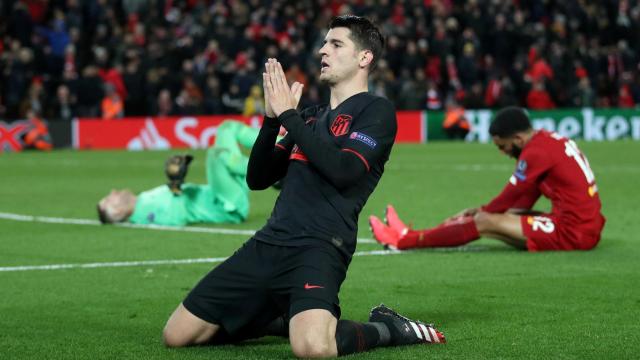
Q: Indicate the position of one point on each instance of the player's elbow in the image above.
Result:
(256, 184)
(342, 181)
(349, 175)
(256, 178)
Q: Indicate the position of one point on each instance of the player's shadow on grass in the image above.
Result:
(262, 342)
(268, 347)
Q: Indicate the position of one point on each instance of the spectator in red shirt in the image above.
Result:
(625, 99)
(547, 164)
(539, 98)
(539, 69)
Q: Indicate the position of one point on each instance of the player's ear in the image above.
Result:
(365, 57)
(519, 139)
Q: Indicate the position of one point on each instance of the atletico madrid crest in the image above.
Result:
(341, 124)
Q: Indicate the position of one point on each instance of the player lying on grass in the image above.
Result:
(331, 160)
(547, 164)
(224, 199)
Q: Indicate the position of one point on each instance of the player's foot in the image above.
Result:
(393, 220)
(384, 234)
(405, 331)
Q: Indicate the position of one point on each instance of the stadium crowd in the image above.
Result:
(111, 58)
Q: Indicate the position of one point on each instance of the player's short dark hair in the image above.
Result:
(509, 121)
(364, 34)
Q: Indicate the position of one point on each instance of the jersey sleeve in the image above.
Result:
(373, 133)
(344, 166)
(527, 199)
(269, 160)
(530, 168)
(285, 144)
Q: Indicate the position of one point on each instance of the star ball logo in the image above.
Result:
(363, 138)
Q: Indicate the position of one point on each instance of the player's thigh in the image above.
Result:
(313, 280)
(312, 333)
(516, 243)
(504, 225)
(183, 329)
(233, 294)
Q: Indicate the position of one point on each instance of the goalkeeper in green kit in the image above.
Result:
(224, 199)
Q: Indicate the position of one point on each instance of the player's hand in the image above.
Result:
(463, 213)
(268, 111)
(278, 94)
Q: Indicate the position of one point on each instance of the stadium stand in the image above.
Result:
(186, 57)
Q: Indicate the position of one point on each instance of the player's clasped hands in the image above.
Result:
(278, 96)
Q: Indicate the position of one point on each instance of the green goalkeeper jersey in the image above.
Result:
(196, 204)
(225, 197)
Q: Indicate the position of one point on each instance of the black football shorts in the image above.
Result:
(262, 281)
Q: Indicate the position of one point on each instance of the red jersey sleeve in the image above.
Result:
(530, 170)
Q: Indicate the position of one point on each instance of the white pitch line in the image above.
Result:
(110, 264)
(154, 262)
(55, 220)
(193, 229)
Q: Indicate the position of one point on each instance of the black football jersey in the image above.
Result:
(311, 206)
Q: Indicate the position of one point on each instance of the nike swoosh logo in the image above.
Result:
(307, 286)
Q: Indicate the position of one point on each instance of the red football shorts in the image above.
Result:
(547, 232)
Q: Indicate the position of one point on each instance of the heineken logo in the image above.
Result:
(586, 124)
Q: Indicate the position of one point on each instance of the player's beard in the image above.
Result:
(327, 80)
(515, 151)
(336, 76)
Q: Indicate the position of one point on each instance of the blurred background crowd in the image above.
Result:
(112, 58)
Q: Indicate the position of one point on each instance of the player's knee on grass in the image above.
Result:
(173, 339)
(312, 334)
(185, 329)
(311, 346)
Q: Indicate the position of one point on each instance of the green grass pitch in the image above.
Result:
(491, 302)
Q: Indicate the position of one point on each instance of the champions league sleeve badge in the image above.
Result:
(364, 139)
(521, 168)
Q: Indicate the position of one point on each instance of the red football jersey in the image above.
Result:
(554, 166)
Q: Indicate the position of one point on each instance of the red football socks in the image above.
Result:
(448, 234)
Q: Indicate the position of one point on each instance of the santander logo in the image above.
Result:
(185, 130)
(196, 132)
(149, 138)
